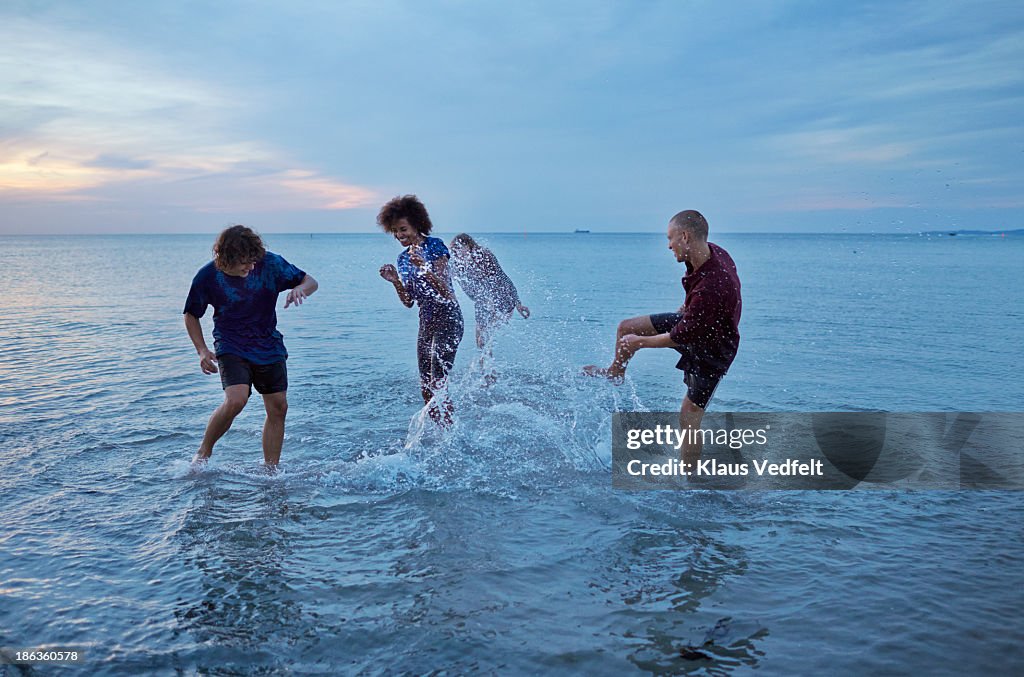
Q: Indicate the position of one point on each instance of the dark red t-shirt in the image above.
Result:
(708, 334)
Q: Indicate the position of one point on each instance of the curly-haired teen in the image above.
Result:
(242, 283)
(422, 277)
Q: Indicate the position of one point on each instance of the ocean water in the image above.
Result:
(386, 547)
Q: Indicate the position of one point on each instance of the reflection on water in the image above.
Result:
(238, 543)
(666, 576)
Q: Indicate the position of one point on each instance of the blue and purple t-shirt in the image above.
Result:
(414, 279)
(245, 308)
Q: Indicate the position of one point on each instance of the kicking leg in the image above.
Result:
(641, 326)
(235, 398)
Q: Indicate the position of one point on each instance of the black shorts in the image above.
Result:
(700, 387)
(268, 378)
(663, 322)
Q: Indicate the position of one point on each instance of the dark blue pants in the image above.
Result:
(441, 328)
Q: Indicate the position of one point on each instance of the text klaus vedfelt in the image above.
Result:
(735, 439)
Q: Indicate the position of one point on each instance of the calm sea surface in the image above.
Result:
(386, 547)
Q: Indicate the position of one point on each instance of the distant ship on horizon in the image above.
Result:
(581, 230)
(1017, 232)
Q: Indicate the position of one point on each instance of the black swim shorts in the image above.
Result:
(268, 378)
(700, 387)
(664, 322)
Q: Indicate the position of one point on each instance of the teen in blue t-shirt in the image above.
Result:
(242, 284)
(422, 277)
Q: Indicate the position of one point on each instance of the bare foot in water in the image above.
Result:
(594, 370)
(198, 464)
(442, 415)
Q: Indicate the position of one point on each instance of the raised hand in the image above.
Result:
(296, 296)
(389, 273)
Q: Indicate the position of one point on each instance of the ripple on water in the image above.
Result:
(497, 546)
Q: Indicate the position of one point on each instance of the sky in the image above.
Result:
(186, 117)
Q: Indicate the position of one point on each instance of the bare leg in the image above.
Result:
(276, 405)
(481, 344)
(641, 326)
(442, 412)
(223, 416)
(690, 416)
(435, 396)
(484, 335)
(439, 406)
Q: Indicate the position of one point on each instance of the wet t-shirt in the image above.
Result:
(482, 278)
(415, 280)
(709, 331)
(480, 275)
(245, 308)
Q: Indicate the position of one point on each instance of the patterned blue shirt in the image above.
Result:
(413, 278)
(245, 308)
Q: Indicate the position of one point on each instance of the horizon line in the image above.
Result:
(519, 232)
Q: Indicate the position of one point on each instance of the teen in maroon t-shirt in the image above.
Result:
(705, 330)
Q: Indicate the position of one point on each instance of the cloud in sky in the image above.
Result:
(111, 161)
(767, 116)
(87, 121)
